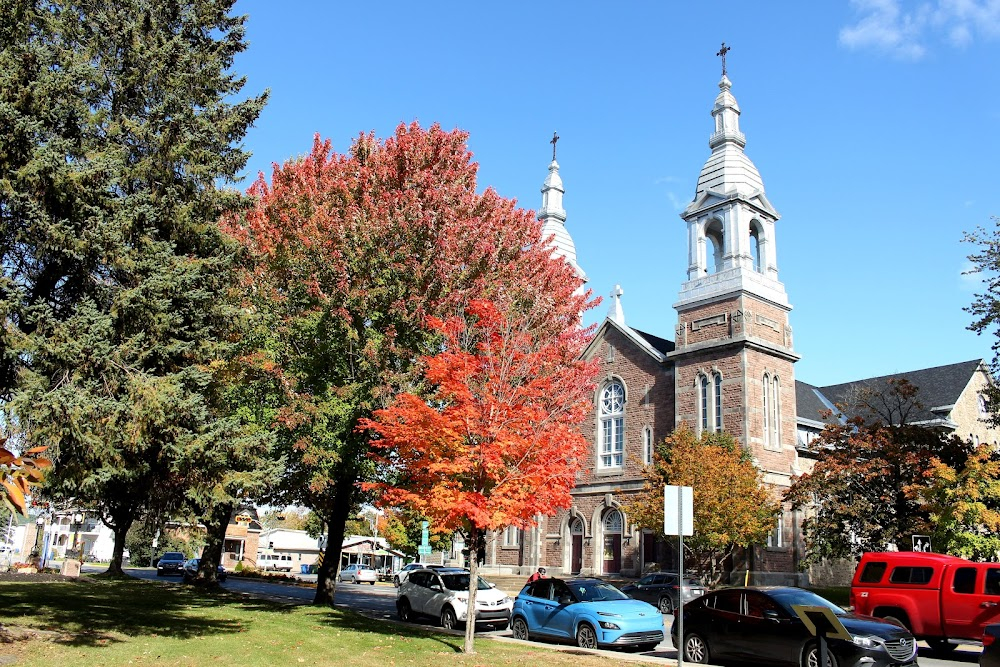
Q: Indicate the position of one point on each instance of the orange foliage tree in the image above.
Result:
(497, 441)
(19, 473)
(732, 507)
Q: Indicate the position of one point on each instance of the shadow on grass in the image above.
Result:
(94, 610)
(355, 622)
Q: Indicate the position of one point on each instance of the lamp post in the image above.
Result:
(77, 524)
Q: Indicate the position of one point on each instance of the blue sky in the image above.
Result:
(873, 124)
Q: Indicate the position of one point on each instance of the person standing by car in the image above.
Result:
(540, 574)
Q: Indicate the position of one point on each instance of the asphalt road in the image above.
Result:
(379, 601)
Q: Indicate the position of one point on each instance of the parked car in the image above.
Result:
(401, 574)
(274, 562)
(590, 612)
(662, 590)
(443, 593)
(172, 562)
(990, 657)
(760, 626)
(191, 571)
(936, 596)
(358, 574)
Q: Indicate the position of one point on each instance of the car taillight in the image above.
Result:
(988, 639)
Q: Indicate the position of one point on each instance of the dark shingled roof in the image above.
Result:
(662, 345)
(937, 387)
(809, 401)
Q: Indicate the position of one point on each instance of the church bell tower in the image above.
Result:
(734, 356)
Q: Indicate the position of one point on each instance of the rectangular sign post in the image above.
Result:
(678, 519)
(425, 548)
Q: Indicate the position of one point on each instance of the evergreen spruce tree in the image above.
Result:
(117, 280)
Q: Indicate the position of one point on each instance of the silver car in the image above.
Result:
(358, 574)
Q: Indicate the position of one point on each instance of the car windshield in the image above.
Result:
(595, 591)
(786, 597)
(460, 582)
(172, 555)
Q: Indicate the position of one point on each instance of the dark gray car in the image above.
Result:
(661, 590)
(172, 562)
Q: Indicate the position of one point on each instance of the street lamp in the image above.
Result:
(77, 524)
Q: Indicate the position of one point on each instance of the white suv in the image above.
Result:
(443, 593)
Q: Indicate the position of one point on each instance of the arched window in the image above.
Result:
(703, 402)
(717, 382)
(612, 425)
(576, 526)
(767, 410)
(775, 412)
(716, 243)
(613, 522)
(647, 445)
(755, 247)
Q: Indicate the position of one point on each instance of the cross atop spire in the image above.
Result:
(555, 138)
(722, 52)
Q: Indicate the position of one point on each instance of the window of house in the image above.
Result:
(703, 400)
(612, 411)
(775, 413)
(983, 408)
(647, 445)
(511, 536)
(775, 539)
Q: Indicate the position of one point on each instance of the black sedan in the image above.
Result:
(990, 656)
(759, 625)
(172, 562)
(662, 590)
(191, 571)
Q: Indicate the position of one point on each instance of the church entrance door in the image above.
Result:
(576, 550)
(613, 542)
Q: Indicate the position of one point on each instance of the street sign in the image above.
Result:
(678, 510)
(425, 548)
(424, 551)
(921, 542)
(822, 624)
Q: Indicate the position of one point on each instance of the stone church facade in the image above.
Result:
(730, 367)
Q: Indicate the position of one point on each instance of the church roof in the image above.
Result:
(938, 390)
(662, 345)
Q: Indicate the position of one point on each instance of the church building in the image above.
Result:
(729, 367)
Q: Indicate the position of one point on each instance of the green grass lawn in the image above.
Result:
(103, 621)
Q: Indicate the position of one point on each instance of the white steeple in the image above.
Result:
(553, 215)
(731, 242)
(615, 311)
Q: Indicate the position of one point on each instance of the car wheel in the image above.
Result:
(448, 619)
(404, 611)
(666, 605)
(586, 637)
(520, 628)
(811, 657)
(941, 645)
(695, 649)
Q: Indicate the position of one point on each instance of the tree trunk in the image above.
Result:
(121, 524)
(470, 616)
(336, 521)
(216, 524)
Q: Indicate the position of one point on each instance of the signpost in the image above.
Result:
(822, 624)
(425, 546)
(678, 519)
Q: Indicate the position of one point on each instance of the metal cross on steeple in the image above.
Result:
(722, 52)
(555, 138)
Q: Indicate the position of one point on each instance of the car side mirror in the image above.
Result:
(493, 585)
(565, 599)
(436, 587)
(772, 615)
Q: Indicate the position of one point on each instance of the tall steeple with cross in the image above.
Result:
(553, 215)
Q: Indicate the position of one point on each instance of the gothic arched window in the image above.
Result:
(647, 445)
(612, 416)
(775, 412)
(717, 399)
(767, 410)
(755, 247)
(716, 240)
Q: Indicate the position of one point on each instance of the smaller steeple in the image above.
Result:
(553, 215)
(615, 311)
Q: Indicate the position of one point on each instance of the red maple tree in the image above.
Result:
(497, 441)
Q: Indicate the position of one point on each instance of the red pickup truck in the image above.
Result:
(936, 596)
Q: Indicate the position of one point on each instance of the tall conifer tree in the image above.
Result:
(115, 273)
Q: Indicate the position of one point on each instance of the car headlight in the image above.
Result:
(506, 601)
(608, 625)
(867, 642)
